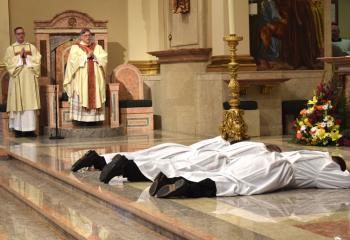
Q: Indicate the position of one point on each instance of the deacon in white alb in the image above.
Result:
(22, 61)
(260, 173)
(255, 173)
(315, 169)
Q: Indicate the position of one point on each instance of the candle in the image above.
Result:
(231, 14)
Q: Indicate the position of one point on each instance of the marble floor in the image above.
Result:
(38, 174)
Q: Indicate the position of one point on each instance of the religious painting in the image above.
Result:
(181, 6)
(287, 34)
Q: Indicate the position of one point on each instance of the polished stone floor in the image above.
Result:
(296, 214)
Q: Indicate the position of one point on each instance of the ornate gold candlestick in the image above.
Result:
(233, 127)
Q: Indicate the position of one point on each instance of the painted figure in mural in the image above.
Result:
(299, 45)
(181, 6)
(22, 61)
(271, 19)
(288, 32)
(84, 80)
(267, 30)
(317, 11)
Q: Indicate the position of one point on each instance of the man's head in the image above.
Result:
(19, 34)
(335, 32)
(340, 161)
(86, 35)
(273, 148)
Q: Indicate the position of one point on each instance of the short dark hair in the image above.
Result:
(340, 162)
(273, 148)
(17, 28)
(85, 30)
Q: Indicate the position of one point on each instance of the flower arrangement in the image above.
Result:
(318, 124)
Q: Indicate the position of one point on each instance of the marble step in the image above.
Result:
(76, 214)
(163, 216)
(85, 132)
(19, 221)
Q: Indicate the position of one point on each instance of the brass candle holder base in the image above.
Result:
(233, 127)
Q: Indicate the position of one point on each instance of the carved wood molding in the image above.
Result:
(182, 55)
(70, 19)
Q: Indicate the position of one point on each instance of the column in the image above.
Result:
(4, 41)
(218, 27)
(327, 38)
(113, 89)
(143, 34)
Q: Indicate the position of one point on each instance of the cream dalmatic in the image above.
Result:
(23, 93)
(85, 82)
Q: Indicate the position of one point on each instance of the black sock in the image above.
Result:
(204, 188)
(133, 173)
(100, 163)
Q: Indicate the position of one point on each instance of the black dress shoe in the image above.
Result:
(160, 181)
(18, 134)
(115, 168)
(88, 160)
(31, 134)
(177, 189)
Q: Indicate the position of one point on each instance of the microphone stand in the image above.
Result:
(57, 134)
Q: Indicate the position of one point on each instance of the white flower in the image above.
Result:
(309, 111)
(330, 124)
(303, 128)
(323, 124)
(328, 118)
(313, 130)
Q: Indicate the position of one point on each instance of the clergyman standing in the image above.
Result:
(22, 61)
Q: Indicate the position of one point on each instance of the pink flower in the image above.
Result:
(299, 135)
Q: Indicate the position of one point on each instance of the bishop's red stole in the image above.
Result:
(91, 75)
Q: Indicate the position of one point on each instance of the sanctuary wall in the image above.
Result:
(24, 13)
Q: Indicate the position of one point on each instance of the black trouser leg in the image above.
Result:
(133, 173)
(204, 188)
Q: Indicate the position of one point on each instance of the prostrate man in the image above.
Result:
(85, 79)
(22, 61)
(310, 169)
(315, 169)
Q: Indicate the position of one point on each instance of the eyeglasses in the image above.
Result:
(19, 33)
(86, 35)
